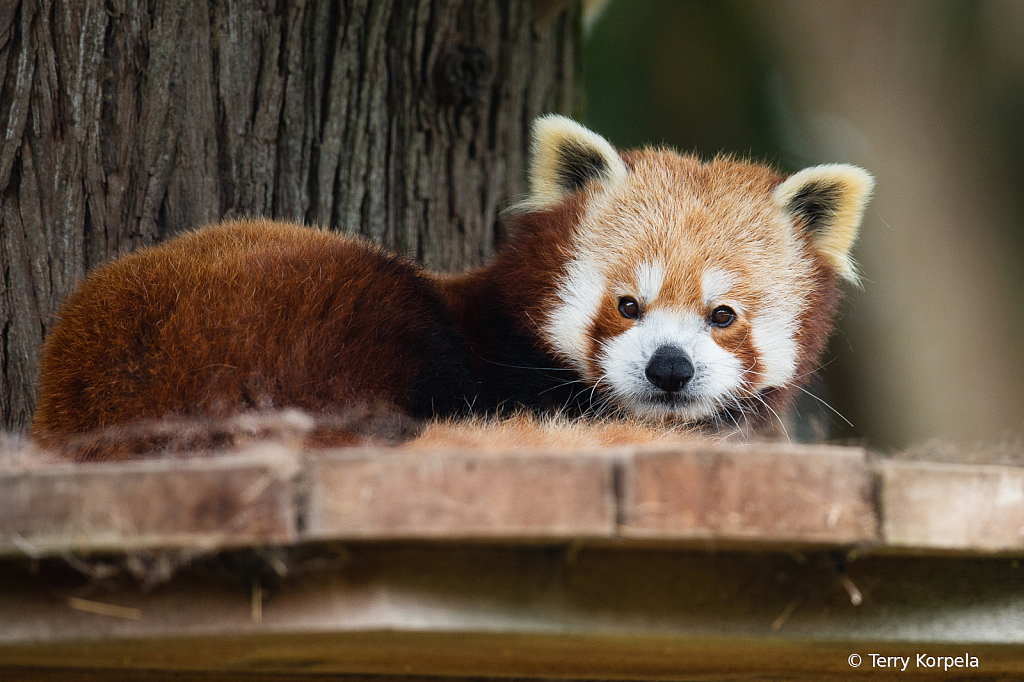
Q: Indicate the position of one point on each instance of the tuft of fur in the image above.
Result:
(172, 437)
(523, 430)
(255, 316)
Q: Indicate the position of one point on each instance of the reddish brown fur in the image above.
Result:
(248, 315)
(519, 285)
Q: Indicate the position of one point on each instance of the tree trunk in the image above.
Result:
(127, 121)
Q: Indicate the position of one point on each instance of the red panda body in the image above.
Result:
(647, 284)
(249, 315)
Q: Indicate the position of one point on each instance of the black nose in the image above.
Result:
(669, 368)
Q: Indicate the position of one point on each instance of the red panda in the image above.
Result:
(647, 283)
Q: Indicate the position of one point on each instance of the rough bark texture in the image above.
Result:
(126, 121)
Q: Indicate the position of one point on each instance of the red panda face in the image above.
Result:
(689, 289)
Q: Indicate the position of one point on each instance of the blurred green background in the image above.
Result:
(928, 96)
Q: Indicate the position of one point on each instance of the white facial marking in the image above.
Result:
(579, 294)
(773, 334)
(649, 278)
(714, 285)
(717, 373)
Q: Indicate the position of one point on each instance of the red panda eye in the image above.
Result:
(629, 308)
(723, 316)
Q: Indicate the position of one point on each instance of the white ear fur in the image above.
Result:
(565, 157)
(829, 201)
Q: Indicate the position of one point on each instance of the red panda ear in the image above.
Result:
(565, 158)
(828, 202)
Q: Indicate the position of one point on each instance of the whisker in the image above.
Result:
(782, 424)
(594, 387)
(745, 334)
(539, 369)
(557, 386)
(820, 400)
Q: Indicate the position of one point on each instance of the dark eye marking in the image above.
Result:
(722, 316)
(629, 308)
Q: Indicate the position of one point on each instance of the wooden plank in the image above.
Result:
(382, 495)
(965, 508)
(773, 494)
(757, 497)
(601, 613)
(204, 503)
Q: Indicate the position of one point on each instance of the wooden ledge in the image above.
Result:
(755, 496)
(702, 562)
(957, 508)
(765, 494)
(373, 494)
(752, 496)
(202, 504)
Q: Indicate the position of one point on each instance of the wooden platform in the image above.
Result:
(697, 562)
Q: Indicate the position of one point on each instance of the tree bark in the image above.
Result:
(127, 121)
